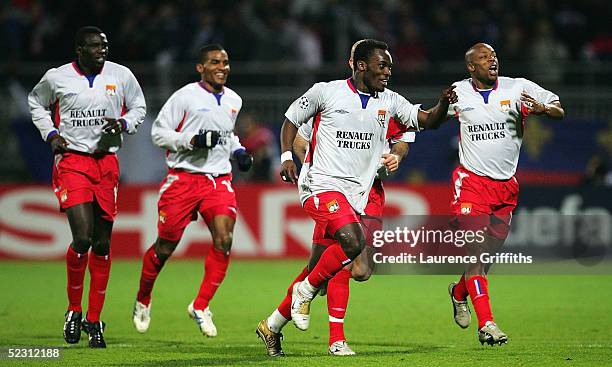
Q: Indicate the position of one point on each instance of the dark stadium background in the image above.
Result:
(277, 49)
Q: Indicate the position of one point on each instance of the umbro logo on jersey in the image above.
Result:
(344, 112)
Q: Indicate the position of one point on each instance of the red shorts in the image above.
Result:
(330, 211)
(82, 178)
(370, 222)
(488, 202)
(376, 200)
(183, 195)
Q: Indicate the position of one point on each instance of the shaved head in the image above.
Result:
(469, 54)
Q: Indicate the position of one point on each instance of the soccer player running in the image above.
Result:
(351, 118)
(196, 126)
(81, 109)
(491, 111)
(361, 268)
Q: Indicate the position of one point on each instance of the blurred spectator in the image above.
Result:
(548, 55)
(597, 172)
(260, 141)
(410, 51)
(599, 48)
(32, 148)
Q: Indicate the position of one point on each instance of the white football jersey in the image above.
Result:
(486, 146)
(69, 103)
(348, 138)
(189, 110)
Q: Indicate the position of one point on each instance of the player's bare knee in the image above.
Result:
(101, 248)
(352, 244)
(82, 245)
(223, 241)
(361, 273)
(164, 248)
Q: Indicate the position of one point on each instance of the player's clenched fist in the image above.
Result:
(206, 139)
(112, 126)
(58, 144)
(288, 171)
(390, 161)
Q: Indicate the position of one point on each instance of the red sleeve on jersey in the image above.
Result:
(395, 130)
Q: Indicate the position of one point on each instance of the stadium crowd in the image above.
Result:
(312, 32)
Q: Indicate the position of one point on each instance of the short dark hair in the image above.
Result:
(366, 47)
(207, 48)
(79, 39)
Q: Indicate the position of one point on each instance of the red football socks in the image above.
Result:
(460, 291)
(285, 306)
(75, 265)
(99, 271)
(337, 301)
(478, 287)
(215, 268)
(151, 266)
(332, 261)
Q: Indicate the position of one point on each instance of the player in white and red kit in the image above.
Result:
(362, 267)
(491, 111)
(351, 118)
(81, 109)
(196, 126)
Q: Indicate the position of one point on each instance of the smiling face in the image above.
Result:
(214, 69)
(377, 71)
(93, 52)
(482, 64)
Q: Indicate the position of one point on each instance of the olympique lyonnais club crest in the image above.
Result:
(505, 105)
(234, 113)
(382, 117)
(111, 89)
(466, 208)
(333, 206)
(162, 216)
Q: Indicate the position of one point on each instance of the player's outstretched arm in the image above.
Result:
(288, 169)
(552, 110)
(433, 118)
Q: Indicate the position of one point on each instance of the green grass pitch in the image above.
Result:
(392, 320)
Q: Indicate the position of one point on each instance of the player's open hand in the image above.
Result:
(58, 144)
(515, 125)
(449, 96)
(288, 171)
(533, 106)
(112, 127)
(390, 161)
